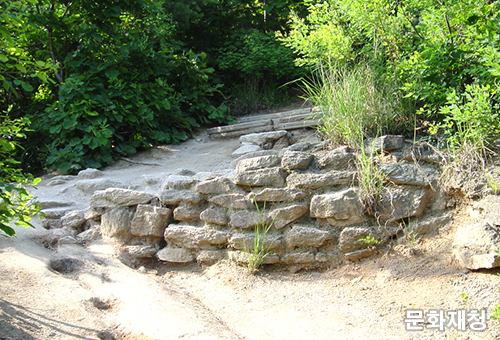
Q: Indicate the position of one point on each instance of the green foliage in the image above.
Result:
(258, 66)
(430, 49)
(16, 204)
(318, 38)
(125, 84)
(370, 241)
(470, 123)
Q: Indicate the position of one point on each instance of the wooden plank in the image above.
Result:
(232, 134)
(296, 125)
(294, 118)
(273, 115)
(241, 126)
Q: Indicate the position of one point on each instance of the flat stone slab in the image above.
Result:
(410, 174)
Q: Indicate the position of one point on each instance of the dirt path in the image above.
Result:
(101, 298)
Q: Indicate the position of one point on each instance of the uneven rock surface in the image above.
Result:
(182, 276)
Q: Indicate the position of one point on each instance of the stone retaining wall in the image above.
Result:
(308, 191)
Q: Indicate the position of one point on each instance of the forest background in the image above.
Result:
(86, 82)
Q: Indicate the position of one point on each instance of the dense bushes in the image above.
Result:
(431, 50)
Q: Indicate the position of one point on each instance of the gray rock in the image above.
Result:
(257, 163)
(150, 221)
(114, 197)
(90, 173)
(410, 174)
(305, 236)
(90, 186)
(217, 186)
(476, 245)
(262, 138)
(89, 235)
(340, 158)
(59, 180)
(424, 152)
(245, 219)
(232, 201)
(246, 148)
(276, 195)
(349, 239)
(56, 213)
(55, 204)
(183, 172)
(175, 197)
(187, 212)
(73, 219)
(115, 223)
(243, 257)
(316, 181)
(296, 160)
(175, 255)
(284, 216)
(274, 177)
(67, 240)
(192, 237)
(360, 254)
(51, 223)
(259, 153)
(211, 256)
(385, 143)
(428, 225)
(298, 258)
(179, 182)
(402, 202)
(141, 251)
(213, 216)
(245, 241)
(342, 205)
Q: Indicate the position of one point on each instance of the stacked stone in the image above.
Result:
(306, 191)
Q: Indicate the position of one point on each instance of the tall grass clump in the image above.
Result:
(260, 250)
(370, 181)
(355, 103)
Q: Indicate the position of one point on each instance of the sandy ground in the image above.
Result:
(104, 299)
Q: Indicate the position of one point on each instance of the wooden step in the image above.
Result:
(288, 120)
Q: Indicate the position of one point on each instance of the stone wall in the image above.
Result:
(308, 191)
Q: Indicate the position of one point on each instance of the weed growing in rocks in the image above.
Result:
(370, 180)
(260, 251)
